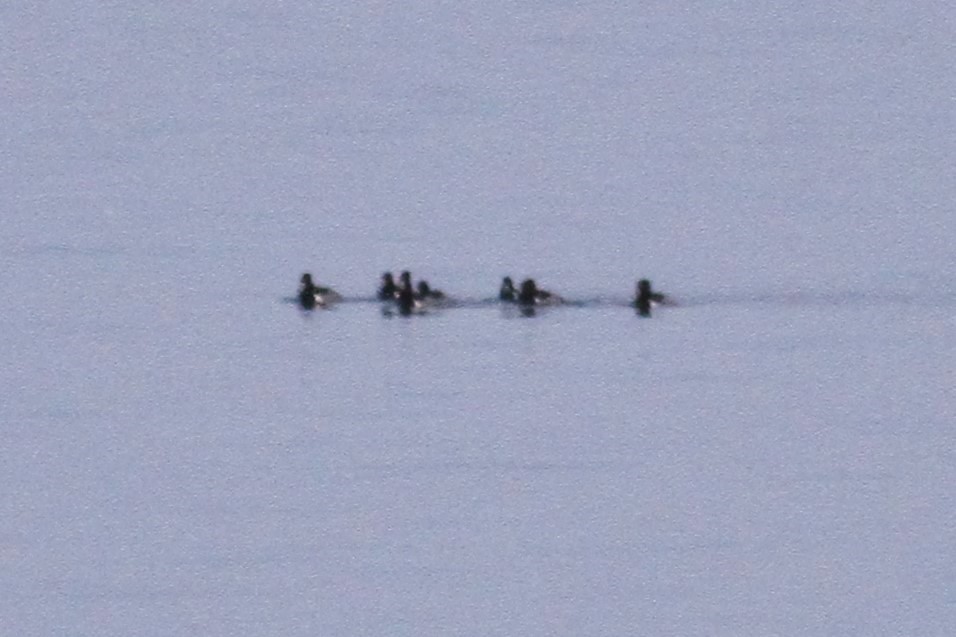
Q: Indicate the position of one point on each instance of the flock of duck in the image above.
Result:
(411, 299)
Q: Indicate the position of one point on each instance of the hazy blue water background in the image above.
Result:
(184, 452)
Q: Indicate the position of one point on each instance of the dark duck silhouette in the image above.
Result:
(425, 292)
(647, 298)
(388, 290)
(312, 295)
(530, 295)
(507, 292)
(406, 298)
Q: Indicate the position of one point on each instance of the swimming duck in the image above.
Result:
(425, 291)
(646, 298)
(405, 297)
(389, 290)
(507, 292)
(530, 295)
(312, 295)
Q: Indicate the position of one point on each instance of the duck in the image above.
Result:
(425, 291)
(312, 295)
(407, 300)
(645, 298)
(530, 295)
(507, 291)
(388, 290)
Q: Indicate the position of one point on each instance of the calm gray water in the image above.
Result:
(186, 452)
